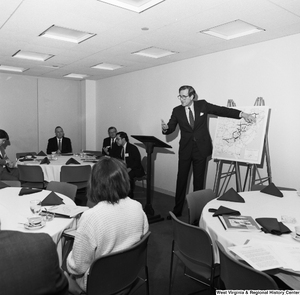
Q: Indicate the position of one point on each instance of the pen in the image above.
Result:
(222, 222)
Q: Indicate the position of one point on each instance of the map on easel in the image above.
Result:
(239, 141)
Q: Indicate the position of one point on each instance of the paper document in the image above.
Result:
(67, 210)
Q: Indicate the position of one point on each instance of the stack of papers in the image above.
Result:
(68, 211)
(263, 255)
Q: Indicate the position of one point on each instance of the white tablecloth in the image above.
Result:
(256, 204)
(14, 209)
(52, 170)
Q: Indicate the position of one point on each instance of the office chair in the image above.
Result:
(239, 276)
(77, 175)
(193, 246)
(120, 270)
(64, 188)
(31, 176)
(196, 202)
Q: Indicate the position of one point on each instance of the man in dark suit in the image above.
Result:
(132, 157)
(195, 144)
(110, 147)
(7, 167)
(29, 265)
(59, 144)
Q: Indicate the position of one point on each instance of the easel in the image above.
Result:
(252, 169)
(234, 167)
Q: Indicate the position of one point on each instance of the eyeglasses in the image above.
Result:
(182, 97)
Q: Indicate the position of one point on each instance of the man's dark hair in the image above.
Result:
(3, 134)
(190, 89)
(123, 135)
(111, 127)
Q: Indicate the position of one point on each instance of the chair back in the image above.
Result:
(239, 276)
(31, 176)
(12, 183)
(64, 188)
(196, 202)
(115, 272)
(24, 154)
(259, 187)
(193, 243)
(78, 175)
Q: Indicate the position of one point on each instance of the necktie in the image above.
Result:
(123, 154)
(59, 144)
(191, 117)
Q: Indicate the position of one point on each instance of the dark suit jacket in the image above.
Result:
(200, 133)
(133, 160)
(53, 147)
(114, 151)
(29, 265)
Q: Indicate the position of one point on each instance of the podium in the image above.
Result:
(150, 142)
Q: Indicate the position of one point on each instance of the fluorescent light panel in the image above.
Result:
(32, 55)
(133, 5)
(232, 30)
(76, 76)
(12, 69)
(107, 66)
(154, 52)
(68, 35)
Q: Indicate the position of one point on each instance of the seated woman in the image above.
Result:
(115, 223)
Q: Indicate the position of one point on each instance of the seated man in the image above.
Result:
(7, 167)
(59, 144)
(132, 157)
(29, 265)
(110, 147)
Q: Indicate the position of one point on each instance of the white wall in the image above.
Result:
(32, 107)
(136, 102)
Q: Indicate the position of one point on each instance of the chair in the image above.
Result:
(12, 183)
(196, 202)
(239, 276)
(78, 175)
(259, 187)
(31, 176)
(193, 246)
(64, 188)
(120, 270)
(24, 154)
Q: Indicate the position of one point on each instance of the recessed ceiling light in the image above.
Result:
(76, 76)
(233, 30)
(64, 34)
(12, 69)
(32, 55)
(154, 52)
(106, 66)
(133, 5)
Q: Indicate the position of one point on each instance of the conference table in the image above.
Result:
(52, 171)
(257, 204)
(15, 209)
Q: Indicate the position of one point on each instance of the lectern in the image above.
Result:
(150, 142)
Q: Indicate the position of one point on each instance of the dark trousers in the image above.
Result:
(184, 165)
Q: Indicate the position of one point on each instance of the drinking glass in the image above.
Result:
(35, 206)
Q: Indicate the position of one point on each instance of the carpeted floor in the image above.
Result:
(159, 250)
